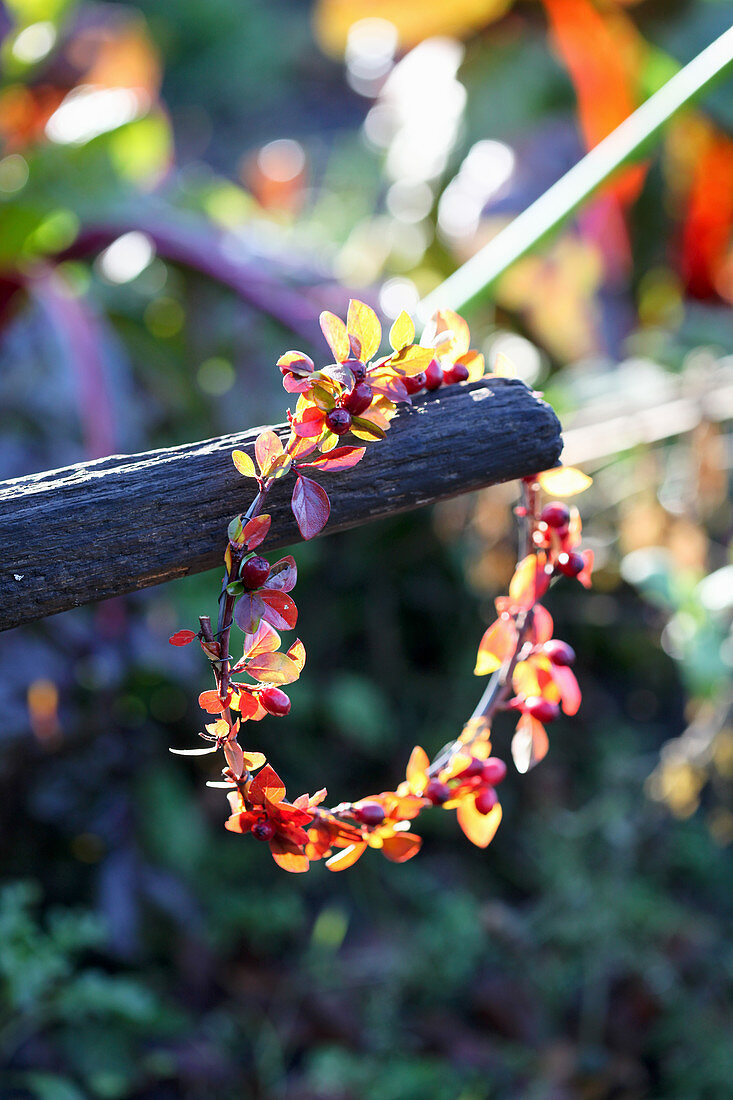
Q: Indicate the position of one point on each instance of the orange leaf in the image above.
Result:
(401, 847)
(564, 481)
(530, 581)
(497, 646)
(288, 856)
(273, 668)
(417, 766)
(266, 784)
(265, 640)
(267, 447)
(210, 702)
(347, 857)
(334, 329)
(363, 327)
(296, 653)
(479, 828)
(529, 744)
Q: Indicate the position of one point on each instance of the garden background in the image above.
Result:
(183, 187)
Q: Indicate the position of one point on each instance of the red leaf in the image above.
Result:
(255, 531)
(280, 611)
(341, 458)
(266, 784)
(182, 637)
(311, 506)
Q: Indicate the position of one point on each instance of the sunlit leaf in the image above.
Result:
(504, 367)
(210, 701)
(459, 340)
(265, 640)
(474, 363)
(273, 668)
(529, 744)
(195, 752)
(296, 362)
(411, 360)
(363, 326)
(296, 653)
(267, 447)
(536, 677)
(347, 857)
(280, 609)
(479, 828)
(564, 481)
(244, 464)
(497, 646)
(366, 428)
(266, 784)
(402, 332)
(334, 329)
(417, 766)
(255, 530)
(288, 857)
(341, 458)
(401, 847)
(530, 581)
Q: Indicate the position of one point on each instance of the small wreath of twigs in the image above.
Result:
(357, 395)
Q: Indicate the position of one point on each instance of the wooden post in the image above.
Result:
(102, 528)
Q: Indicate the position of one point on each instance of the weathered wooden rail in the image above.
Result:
(102, 528)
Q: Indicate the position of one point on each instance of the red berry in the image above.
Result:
(263, 829)
(338, 421)
(456, 373)
(494, 771)
(254, 572)
(275, 701)
(555, 514)
(541, 709)
(369, 813)
(486, 799)
(415, 382)
(357, 368)
(433, 375)
(570, 564)
(560, 653)
(359, 399)
(437, 792)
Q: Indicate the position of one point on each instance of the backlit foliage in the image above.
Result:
(357, 395)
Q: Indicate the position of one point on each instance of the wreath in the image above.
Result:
(356, 396)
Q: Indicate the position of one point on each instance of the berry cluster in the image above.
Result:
(357, 394)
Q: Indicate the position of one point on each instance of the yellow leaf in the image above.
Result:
(244, 464)
(402, 332)
(504, 366)
(413, 21)
(363, 326)
(479, 828)
(564, 481)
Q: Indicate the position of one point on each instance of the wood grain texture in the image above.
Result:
(102, 528)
